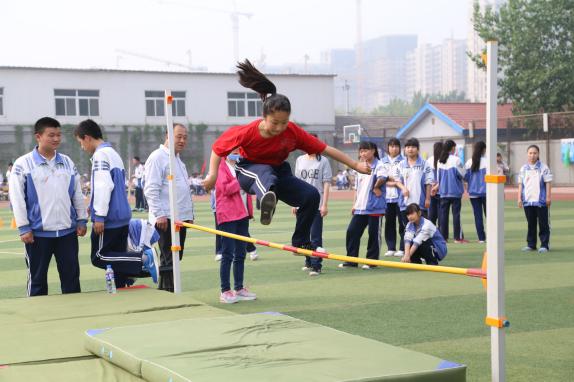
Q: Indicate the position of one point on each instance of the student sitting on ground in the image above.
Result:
(422, 239)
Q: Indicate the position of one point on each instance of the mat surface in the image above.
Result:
(260, 347)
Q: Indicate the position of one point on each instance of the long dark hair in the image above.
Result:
(436, 150)
(253, 79)
(446, 149)
(367, 145)
(477, 151)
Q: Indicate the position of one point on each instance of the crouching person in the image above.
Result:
(422, 239)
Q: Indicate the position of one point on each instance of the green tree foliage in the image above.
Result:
(536, 53)
(401, 108)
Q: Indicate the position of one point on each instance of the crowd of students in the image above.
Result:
(399, 186)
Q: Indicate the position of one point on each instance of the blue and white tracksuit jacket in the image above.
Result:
(393, 193)
(366, 202)
(533, 179)
(475, 180)
(109, 202)
(450, 175)
(415, 178)
(46, 196)
(425, 230)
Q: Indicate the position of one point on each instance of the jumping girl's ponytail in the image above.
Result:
(253, 79)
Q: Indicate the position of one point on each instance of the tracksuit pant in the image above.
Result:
(393, 214)
(165, 281)
(139, 198)
(110, 248)
(233, 252)
(355, 232)
(315, 263)
(258, 179)
(537, 215)
(479, 208)
(427, 252)
(433, 211)
(444, 211)
(250, 247)
(38, 256)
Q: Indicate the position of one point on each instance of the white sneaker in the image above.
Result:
(306, 268)
(399, 253)
(228, 297)
(218, 257)
(321, 249)
(365, 266)
(253, 255)
(245, 295)
(389, 253)
(314, 273)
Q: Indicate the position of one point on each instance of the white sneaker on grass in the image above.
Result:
(218, 257)
(366, 266)
(389, 253)
(244, 295)
(399, 253)
(228, 297)
(253, 255)
(306, 268)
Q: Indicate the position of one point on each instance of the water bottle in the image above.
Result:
(110, 280)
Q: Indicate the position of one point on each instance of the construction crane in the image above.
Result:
(235, 15)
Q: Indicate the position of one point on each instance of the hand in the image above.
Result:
(27, 238)
(352, 211)
(405, 259)
(548, 202)
(209, 182)
(362, 167)
(98, 228)
(427, 203)
(81, 230)
(294, 211)
(161, 223)
(377, 191)
(406, 193)
(520, 204)
(323, 211)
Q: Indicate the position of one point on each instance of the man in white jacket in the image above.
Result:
(49, 209)
(156, 191)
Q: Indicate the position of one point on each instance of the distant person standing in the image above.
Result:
(393, 196)
(475, 171)
(156, 191)
(316, 171)
(49, 209)
(138, 184)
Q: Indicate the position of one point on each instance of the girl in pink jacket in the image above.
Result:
(234, 209)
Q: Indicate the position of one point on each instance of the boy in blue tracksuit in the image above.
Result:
(110, 210)
(423, 241)
(49, 210)
(369, 206)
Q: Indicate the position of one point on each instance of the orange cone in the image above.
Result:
(13, 224)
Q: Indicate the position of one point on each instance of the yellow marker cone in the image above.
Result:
(1, 223)
(13, 224)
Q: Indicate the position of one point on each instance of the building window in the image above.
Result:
(241, 104)
(154, 103)
(85, 103)
(1, 101)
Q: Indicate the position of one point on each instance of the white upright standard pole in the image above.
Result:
(175, 245)
(495, 225)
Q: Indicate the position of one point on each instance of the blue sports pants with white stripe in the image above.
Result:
(38, 256)
(257, 179)
(111, 248)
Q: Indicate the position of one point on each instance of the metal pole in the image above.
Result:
(175, 245)
(495, 226)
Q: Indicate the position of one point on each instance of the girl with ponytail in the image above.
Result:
(264, 146)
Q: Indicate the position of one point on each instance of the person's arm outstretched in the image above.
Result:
(339, 156)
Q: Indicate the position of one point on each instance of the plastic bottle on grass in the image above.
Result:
(110, 280)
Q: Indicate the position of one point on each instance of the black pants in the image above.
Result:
(355, 232)
(165, 259)
(393, 214)
(313, 262)
(425, 251)
(257, 179)
(433, 209)
(110, 248)
(479, 208)
(139, 198)
(38, 256)
(444, 211)
(537, 215)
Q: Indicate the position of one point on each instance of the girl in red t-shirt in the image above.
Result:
(264, 145)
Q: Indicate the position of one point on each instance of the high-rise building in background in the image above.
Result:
(476, 77)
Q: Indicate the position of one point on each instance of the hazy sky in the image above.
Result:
(88, 33)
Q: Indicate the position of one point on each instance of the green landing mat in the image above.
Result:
(260, 347)
(44, 336)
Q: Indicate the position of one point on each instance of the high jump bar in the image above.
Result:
(472, 272)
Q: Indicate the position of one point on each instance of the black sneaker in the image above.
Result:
(268, 203)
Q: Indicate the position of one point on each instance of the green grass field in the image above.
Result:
(438, 314)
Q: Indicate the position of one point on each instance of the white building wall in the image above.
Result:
(430, 129)
(29, 94)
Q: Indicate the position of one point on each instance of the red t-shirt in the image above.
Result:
(272, 151)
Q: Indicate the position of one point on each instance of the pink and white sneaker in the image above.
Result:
(245, 295)
(228, 297)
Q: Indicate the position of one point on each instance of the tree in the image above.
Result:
(535, 52)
